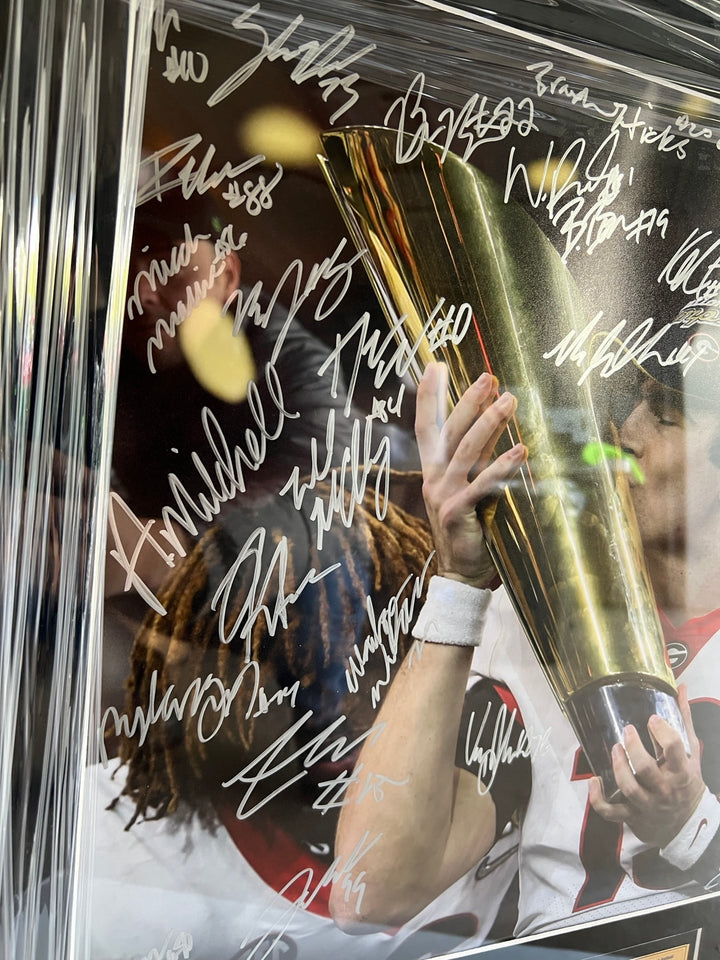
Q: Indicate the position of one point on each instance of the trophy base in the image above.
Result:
(600, 712)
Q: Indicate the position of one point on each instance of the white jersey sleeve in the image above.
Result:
(166, 889)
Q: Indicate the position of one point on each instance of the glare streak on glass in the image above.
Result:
(60, 330)
(140, 20)
(55, 393)
(438, 31)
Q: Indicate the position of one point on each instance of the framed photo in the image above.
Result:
(370, 432)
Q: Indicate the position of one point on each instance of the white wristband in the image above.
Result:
(685, 849)
(453, 613)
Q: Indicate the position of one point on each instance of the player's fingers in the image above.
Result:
(616, 812)
(672, 748)
(430, 415)
(501, 417)
(474, 451)
(631, 771)
(643, 763)
(491, 482)
(471, 405)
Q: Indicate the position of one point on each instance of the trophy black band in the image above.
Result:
(480, 287)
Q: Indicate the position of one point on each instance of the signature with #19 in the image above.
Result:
(578, 189)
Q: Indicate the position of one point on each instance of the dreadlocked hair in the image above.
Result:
(217, 705)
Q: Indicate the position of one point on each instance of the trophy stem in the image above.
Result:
(600, 712)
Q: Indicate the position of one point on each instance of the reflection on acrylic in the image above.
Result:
(267, 503)
(297, 750)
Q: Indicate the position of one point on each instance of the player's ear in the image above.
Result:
(229, 279)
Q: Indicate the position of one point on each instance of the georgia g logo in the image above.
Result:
(677, 653)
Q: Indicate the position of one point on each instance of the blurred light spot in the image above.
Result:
(281, 134)
(541, 170)
(221, 362)
(695, 106)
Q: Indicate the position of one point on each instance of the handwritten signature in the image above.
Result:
(155, 174)
(394, 353)
(315, 59)
(255, 596)
(348, 481)
(266, 767)
(162, 21)
(387, 627)
(560, 86)
(580, 205)
(335, 273)
(683, 268)
(343, 873)
(664, 140)
(640, 345)
(282, 947)
(694, 130)
(476, 123)
(160, 272)
(501, 750)
(202, 698)
(333, 792)
(181, 948)
(228, 468)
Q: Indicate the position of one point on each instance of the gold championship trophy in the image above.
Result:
(482, 288)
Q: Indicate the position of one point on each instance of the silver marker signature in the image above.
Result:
(477, 122)
(501, 750)
(350, 477)
(250, 305)
(325, 60)
(182, 945)
(386, 627)
(664, 140)
(228, 468)
(578, 192)
(195, 293)
(193, 177)
(339, 872)
(204, 695)
(695, 265)
(393, 352)
(267, 765)
(255, 603)
(640, 345)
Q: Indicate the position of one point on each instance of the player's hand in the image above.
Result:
(659, 797)
(458, 470)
